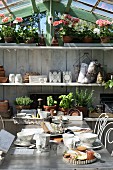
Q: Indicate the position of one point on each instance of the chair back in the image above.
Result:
(107, 130)
(100, 125)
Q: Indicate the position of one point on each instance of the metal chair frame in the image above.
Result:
(100, 125)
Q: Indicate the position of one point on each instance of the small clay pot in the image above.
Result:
(48, 108)
(4, 105)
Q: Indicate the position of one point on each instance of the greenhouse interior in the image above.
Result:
(56, 84)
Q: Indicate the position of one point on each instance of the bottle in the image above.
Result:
(39, 106)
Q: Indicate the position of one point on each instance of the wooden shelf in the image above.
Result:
(71, 46)
(51, 84)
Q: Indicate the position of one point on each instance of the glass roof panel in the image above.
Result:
(91, 2)
(64, 1)
(80, 5)
(106, 6)
(11, 1)
(20, 5)
(1, 4)
(103, 13)
(3, 11)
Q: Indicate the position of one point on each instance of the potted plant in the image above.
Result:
(86, 31)
(83, 100)
(51, 104)
(23, 102)
(66, 27)
(104, 29)
(109, 84)
(66, 102)
(8, 28)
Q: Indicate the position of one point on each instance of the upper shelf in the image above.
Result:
(50, 84)
(72, 46)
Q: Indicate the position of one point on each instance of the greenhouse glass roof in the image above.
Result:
(27, 7)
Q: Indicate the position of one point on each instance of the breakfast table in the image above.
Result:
(53, 160)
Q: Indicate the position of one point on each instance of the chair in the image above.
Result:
(100, 125)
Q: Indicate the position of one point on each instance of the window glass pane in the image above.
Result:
(64, 1)
(21, 4)
(91, 2)
(80, 5)
(106, 6)
(4, 11)
(103, 13)
(11, 1)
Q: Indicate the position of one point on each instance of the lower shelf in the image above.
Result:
(51, 84)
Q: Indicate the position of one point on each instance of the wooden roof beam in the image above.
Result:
(95, 6)
(108, 1)
(5, 4)
(68, 6)
(35, 9)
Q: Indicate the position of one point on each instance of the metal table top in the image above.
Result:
(53, 160)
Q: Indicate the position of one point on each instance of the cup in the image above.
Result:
(42, 141)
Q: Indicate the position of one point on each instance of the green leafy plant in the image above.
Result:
(66, 101)
(23, 101)
(51, 101)
(109, 84)
(83, 98)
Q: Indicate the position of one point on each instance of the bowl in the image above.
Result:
(87, 138)
(25, 136)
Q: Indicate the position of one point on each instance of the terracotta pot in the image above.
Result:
(48, 108)
(4, 105)
(105, 39)
(2, 73)
(30, 40)
(9, 39)
(87, 39)
(84, 110)
(67, 39)
(20, 107)
(65, 111)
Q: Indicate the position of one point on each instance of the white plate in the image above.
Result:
(98, 146)
(19, 143)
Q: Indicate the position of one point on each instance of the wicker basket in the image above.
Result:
(8, 114)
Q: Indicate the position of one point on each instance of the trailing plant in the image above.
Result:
(24, 101)
(66, 101)
(51, 101)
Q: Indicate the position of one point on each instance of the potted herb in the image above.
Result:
(66, 102)
(23, 102)
(51, 104)
(109, 84)
(83, 100)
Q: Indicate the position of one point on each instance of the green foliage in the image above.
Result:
(24, 101)
(109, 84)
(66, 101)
(83, 98)
(51, 101)
(8, 31)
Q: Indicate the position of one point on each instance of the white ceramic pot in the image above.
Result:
(11, 78)
(18, 78)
